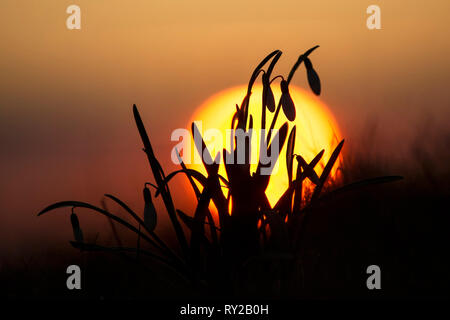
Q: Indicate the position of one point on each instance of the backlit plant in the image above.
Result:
(248, 229)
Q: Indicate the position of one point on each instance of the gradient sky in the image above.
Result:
(66, 126)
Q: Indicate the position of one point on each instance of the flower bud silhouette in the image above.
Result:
(286, 101)
(313, 77)
(268, 98)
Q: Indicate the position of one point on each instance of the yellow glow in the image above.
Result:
(316, 129)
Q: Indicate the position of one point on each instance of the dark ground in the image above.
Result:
(404, 231)
(403, 227)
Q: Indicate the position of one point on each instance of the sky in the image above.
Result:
(66, 126)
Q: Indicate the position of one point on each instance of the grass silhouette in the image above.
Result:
(250, 233)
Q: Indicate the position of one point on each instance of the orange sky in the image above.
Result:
(66, 125)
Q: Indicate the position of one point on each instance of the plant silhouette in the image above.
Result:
(250, 229)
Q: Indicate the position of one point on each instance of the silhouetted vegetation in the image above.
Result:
(255, 248)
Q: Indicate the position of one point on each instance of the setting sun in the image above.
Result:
(316, 129)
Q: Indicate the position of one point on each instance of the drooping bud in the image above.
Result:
(313, 77)
(308, 170)
(286, 101)
(268, 98)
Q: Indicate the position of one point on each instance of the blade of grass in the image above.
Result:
(362, 183)
(290, 153)
(94, 247)
(298, 190)
(159, 177)
(192, 224)
(281, 136)
(191, 181)
(212, 170)
(326, 171)
(64, 204)
(212, 225)
(111, 223)
(190, 173)
(141, 222)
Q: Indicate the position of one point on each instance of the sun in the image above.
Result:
(316, 129)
